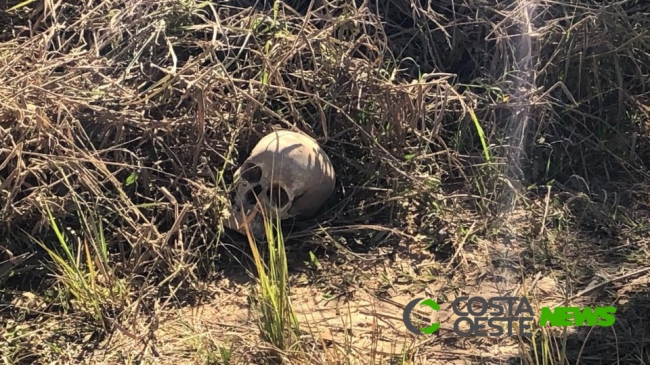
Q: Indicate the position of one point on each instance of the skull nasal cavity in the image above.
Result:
(277, 196)
(251, 173)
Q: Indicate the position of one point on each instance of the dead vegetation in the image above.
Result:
(480, 147)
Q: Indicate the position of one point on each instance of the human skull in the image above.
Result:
(290, 176)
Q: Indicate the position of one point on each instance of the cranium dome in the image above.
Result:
(288, 174)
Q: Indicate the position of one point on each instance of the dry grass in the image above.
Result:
(480, 147)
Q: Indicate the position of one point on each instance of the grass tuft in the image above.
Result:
(83, 268)
(278, 322)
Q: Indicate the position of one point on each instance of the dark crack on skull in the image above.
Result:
(257, 190)
(250, 198)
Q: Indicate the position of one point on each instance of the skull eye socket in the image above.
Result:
(277, 196)
(251, 173)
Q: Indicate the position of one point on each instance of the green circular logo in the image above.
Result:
(407, 316)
